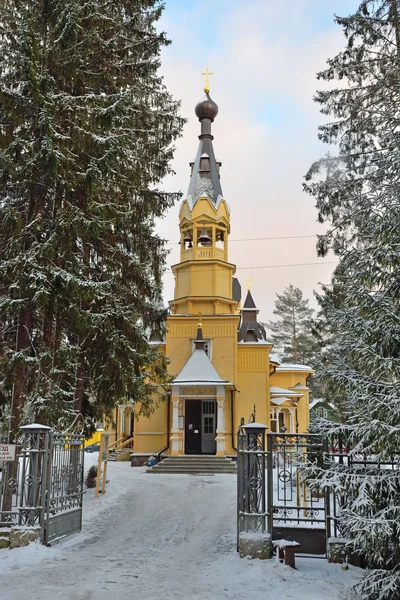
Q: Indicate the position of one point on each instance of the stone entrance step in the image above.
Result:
(195, 465)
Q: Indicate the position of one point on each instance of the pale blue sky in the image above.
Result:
(264, 55)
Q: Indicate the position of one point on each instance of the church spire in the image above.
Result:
(204, 179)
(199, 342)
(250, 329)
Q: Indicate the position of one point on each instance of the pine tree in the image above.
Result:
(291, 332)
(358, 192)
(87, 131)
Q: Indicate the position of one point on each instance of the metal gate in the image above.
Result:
(63, 499)
(43, 485)
(22, 493)
(296, 512)
(272, 495)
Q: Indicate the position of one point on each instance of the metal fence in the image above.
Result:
(275, 492)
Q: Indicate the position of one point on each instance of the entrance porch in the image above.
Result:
(198, 420)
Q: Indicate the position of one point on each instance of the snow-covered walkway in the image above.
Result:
(161, 536)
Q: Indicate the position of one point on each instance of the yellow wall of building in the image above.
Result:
(287, 380)
(253, 382)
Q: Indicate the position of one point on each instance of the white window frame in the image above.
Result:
(322, 412)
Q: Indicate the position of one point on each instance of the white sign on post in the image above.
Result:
(7, 452)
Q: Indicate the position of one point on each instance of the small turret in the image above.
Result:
(199, 341)
(250, 329)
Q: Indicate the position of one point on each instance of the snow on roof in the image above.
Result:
(294, 367)
(279, 401)
(321, 400)
(280, 392)
(274, 358)
(256, 343)
(199, 370)
(299, 386)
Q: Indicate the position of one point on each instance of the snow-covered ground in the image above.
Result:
(169, 537)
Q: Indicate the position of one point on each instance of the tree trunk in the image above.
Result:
(21, 372)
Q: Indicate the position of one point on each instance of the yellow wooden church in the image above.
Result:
(220, 359)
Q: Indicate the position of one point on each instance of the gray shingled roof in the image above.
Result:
(205, 182)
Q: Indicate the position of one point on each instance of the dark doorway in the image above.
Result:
(200, 427)
(193, 427)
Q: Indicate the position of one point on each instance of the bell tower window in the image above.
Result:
(220, 239)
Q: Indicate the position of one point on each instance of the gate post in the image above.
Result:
(33, 477)
(270, 482)
(253, 537)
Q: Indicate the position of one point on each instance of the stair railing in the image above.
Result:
(127, 444)
(112, 446)
(157, 455)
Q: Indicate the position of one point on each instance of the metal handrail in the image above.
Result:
(158, 454)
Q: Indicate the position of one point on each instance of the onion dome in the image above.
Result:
(207, 109)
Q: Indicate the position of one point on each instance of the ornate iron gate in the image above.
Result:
(63, 500)
(43, 485)
(272, 495)
(22, 493)
(296, 512)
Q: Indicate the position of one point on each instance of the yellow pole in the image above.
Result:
(103, 489)
(96, 495)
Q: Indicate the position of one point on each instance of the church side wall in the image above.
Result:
(253, 384)
(151, 433)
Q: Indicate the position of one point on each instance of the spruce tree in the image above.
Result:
(87, 130)
(291, 332)
(357, 192)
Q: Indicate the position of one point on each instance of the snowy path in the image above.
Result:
(161, 536)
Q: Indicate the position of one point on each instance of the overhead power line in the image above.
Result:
(265, 267)
(289, 265)
(261, 239)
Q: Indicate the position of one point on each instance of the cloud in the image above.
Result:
(264, 57)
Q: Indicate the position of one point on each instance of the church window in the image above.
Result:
(207, 348)
(205, 164)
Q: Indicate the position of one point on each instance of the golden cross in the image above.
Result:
(248, 283)
(207, 73)
(199, 324)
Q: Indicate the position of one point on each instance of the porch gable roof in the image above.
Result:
(199, 370)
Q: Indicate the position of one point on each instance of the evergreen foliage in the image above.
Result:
(358, 193)
(86, 134)
(292, 331)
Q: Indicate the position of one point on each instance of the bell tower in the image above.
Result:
(203, 277)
